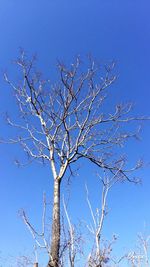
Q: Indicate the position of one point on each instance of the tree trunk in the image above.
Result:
(55, 241)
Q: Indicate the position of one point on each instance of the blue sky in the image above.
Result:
(54, 29)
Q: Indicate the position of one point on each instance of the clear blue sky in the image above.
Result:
(61, 29)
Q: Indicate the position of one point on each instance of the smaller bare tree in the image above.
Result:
(99, 255)
(141, 255)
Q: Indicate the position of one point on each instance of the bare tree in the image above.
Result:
(101, 251)
(65, 121)
(40, 238)
(72, 250)
(99, 256)
(140, 256)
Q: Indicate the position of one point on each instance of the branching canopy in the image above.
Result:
(65, 121)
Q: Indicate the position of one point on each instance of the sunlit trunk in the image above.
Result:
(55, 241)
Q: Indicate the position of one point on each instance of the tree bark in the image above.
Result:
(55, 242)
